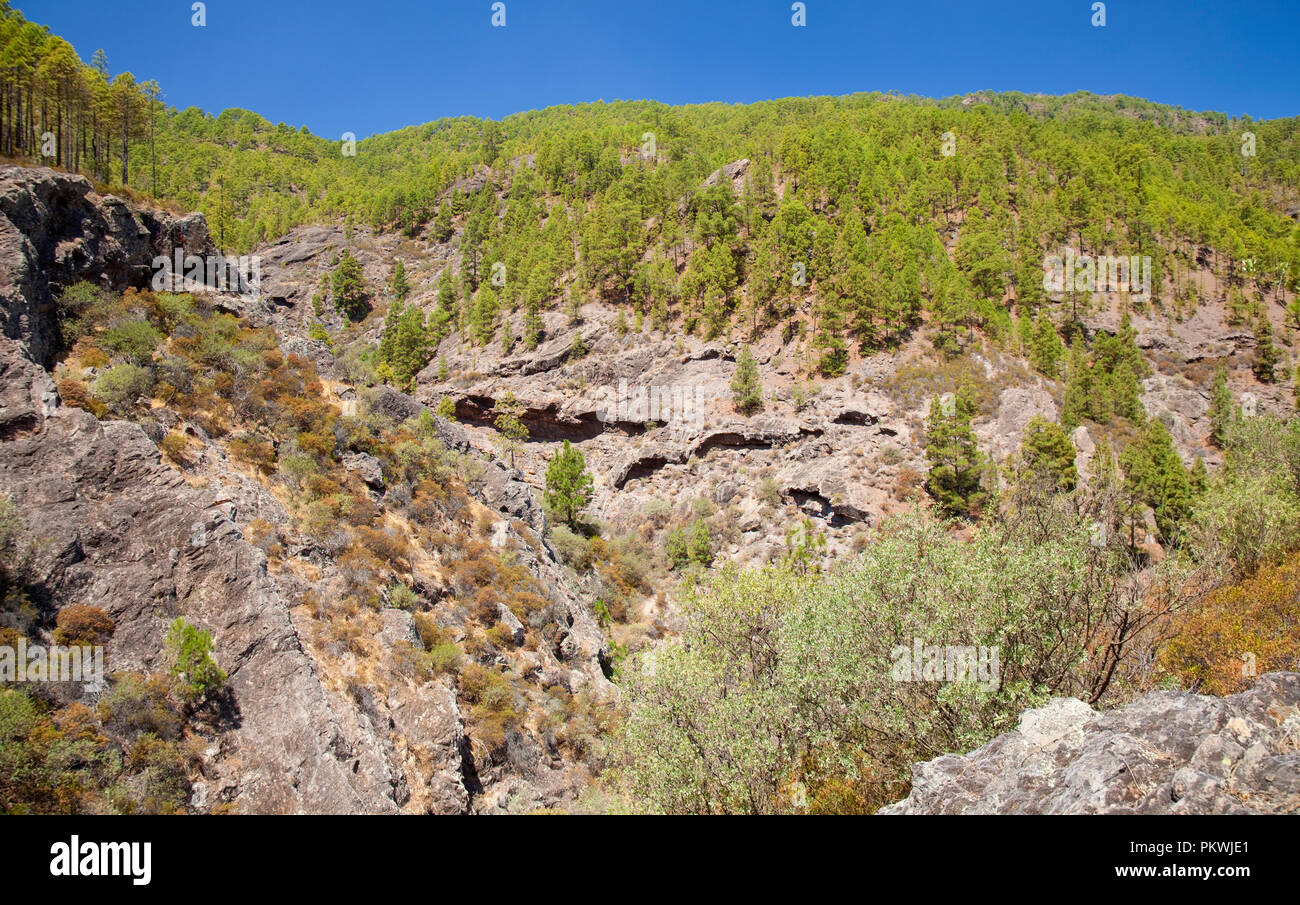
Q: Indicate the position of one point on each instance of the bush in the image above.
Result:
(402, 597)
(253, 451)
(81, 624)
(1252, 624)
(173, 446)
(689, 544)
(134, 341)
(780, 676)
(444, 657)
(120, 386)
(492, 709)
(161, 773)
(572, 548)
(75, 393)
(196, 673)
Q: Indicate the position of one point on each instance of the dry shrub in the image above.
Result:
(82, 624)
(909, 485)
(393, 551)
(253, 451)
(174, 446)
(492, 711)
(77, 394)
(1259, 616)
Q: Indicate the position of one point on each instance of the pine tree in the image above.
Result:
(532, 325)
(446, 313)
(1047, 348)
(483, 315)
(508, 420)
(1222, 410)
(349, 287)
(1267, 355)
(1047, 456)
(1078, 403)
(716, 315)
(746, 384)
(405, 347)
(699, 544)
(1198, 478)
(956, 463)
(399, 287)
(1155, 475)
(803, 541)
(568, 485)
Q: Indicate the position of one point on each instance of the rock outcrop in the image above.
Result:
(54, 231)
(112, 526)
(1165, 753)
(119, 530)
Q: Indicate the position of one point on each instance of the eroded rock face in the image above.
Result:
(120, 530)
(54, 231)
(1165, 753)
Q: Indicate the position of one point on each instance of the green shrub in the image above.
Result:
(195, 671)
(402, 597)
(120, 386)
(134, 340)
(571, 547)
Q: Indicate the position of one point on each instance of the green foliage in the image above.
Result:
(197, 674)
(483, 315)
(405, 347)
(507, 418)
(1249, 515)
(1267, 356)
(568, 484)
(532, 326)
(398, 285)
(781, 677)
(804, 543)
(1154, 475)
(1102, 383)
(571, 547)
(1223, 412)
(349, 287)
(134, 340)
(1046, 347)
(401, 595)
(120, 385)
(746, 385)
(1047, 456)
(689, 544)
(956, 463)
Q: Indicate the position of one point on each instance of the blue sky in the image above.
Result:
(369, 67)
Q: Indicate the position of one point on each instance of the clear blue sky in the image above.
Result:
(366, 67)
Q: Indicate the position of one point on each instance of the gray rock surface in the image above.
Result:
(1164, 753)
(307, 729)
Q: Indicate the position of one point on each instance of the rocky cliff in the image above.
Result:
(112, 525)
(1164, 753)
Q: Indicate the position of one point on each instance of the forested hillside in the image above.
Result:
(908, 436)
(865, 192)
